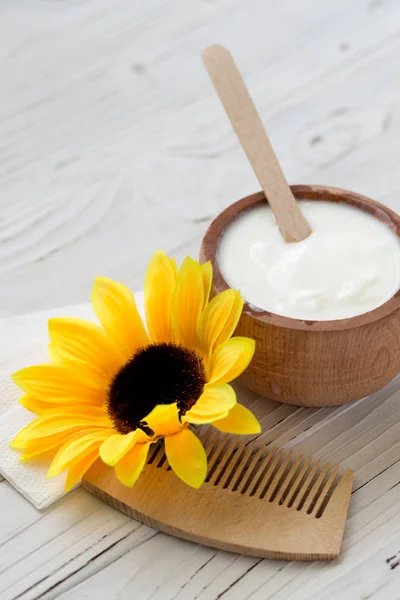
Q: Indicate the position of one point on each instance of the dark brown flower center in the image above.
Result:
(156, 374)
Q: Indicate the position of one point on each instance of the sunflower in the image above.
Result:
(113, 389)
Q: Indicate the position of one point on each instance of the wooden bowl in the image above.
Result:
(315, 363)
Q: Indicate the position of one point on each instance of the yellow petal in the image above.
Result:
(219, 320)
(76, 449)
(42, 456)
(231, 321)
(207, 273)
(216, 400)
(77, 471)
(80, 341)
(231, 358)
(164, 419)
(116, 310)
(52, 440)
(187, 457)
(53, 355)
(62, 420)
(34, 405)
(131, 465)
(38, 447)
(59, 384)
(158, 289)
(117, 445)
(200, 419)
(187, 303)
(240, 421)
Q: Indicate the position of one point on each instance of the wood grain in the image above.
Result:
(96, 97)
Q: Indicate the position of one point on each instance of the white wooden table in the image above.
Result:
(113, 144)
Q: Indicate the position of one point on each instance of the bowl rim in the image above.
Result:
(209, 246)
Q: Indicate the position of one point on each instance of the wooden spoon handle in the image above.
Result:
(246, 122)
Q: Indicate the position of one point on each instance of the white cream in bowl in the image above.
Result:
(349, 265)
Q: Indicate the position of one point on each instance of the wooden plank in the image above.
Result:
(79, 533)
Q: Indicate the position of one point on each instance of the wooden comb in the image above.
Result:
(257, 499)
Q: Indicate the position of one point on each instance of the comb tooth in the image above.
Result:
(269, 494)
(162, 459)
(281, 495)
(325, 490)
(250, 472)
(154, 453)
(241, 467)
(290, 498)
(218, 450)
(262, 468)
(305, 486)
(339, 500)
(266, 474)
(205, 436)
(224, 482)
(308, 492)
(213, 447)
(224, 462)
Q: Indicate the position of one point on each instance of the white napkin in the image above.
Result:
(24, 342)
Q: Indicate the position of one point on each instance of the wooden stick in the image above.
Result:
(248, 126)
